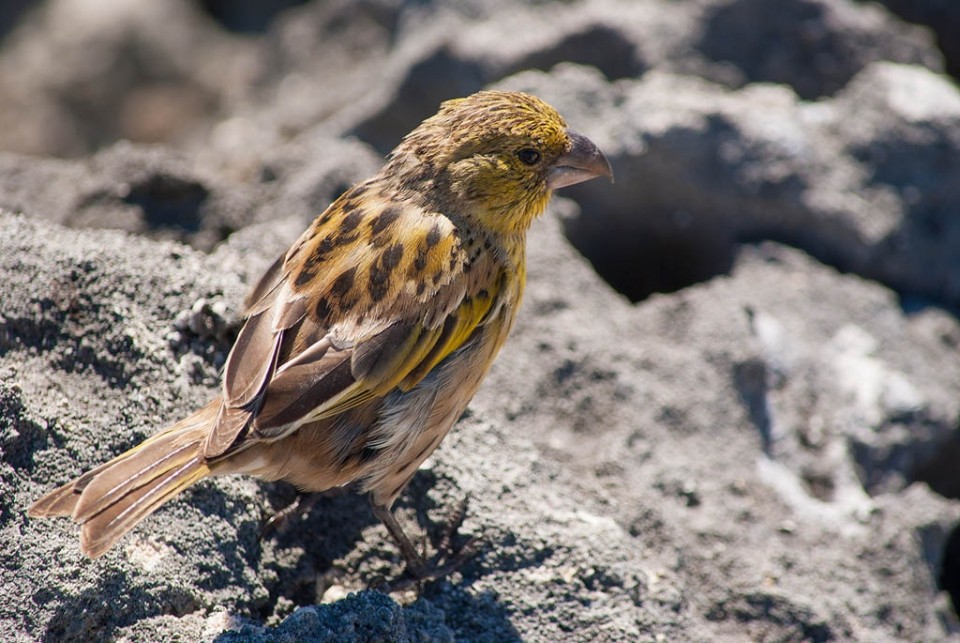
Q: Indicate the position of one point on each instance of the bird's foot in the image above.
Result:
(279, 521)
(449, 558)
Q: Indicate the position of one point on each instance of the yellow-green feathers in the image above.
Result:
(485, 157)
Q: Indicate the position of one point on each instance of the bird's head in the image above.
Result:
(496, 156)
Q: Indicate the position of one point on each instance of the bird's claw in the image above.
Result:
(299, 507)
(449, 557)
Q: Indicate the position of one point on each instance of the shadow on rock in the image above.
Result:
(110, 605)
(373, 616)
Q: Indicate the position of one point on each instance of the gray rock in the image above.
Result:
(941, 16)
(728, 410)
(366, 616)
(154, 191)
(862, 181)
(819, 44)
(77, 76)
(619, 464)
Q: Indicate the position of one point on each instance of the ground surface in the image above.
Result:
(730, 407)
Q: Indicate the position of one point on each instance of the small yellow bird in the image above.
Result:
(365, 341)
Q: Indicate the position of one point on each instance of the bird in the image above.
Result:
(364, 342)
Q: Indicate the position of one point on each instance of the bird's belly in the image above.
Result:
(380, 444)
(412, 424)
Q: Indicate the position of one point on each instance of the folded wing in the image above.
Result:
(371, 298)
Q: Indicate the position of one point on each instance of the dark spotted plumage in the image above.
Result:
(433, 236)
(344, 283)
(352, 219)
(384, 220)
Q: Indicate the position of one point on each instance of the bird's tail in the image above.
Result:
(110, 500)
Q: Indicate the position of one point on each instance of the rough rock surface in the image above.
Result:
(729, 409)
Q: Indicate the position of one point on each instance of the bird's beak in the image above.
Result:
(583, 162)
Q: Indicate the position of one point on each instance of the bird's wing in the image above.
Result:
(371, 298)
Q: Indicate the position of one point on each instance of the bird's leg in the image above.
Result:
(417, 565)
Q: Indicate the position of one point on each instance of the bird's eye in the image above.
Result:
(528, 155)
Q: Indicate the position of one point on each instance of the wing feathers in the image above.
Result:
(296, 397)
(247, 374)
(375, 360)
(251, 368)
(364, 303)
(251, 362)
(229, 424)
(259, 299)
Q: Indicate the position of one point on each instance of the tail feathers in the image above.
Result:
(111, 499)
(102, 530)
